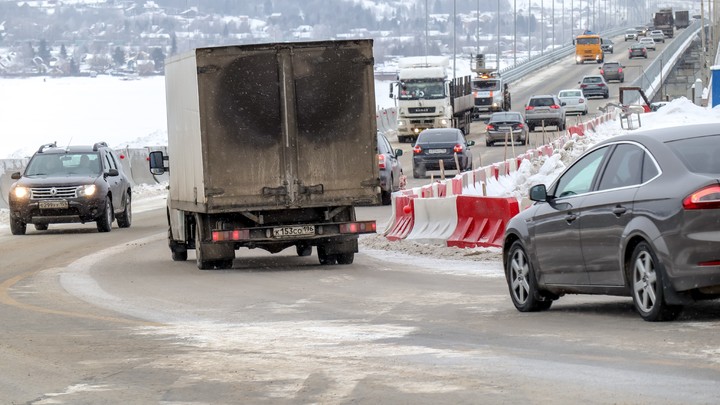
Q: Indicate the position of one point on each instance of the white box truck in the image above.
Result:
(270, 146)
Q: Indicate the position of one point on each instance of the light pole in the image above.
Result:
(514, 32)
(497, 54)
(454, 17)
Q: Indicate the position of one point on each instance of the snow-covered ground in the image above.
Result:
(132, 113)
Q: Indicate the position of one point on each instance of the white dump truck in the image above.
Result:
(426, 97)
(270, 146)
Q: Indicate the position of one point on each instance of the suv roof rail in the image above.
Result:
(47, 145)
(99, 145)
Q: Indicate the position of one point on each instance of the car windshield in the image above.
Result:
(593, 79)
(486, 85)
(422, 89)
(66, 164)
(699, 154)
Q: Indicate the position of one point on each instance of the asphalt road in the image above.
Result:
(93, 318)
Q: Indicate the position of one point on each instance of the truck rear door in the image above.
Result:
(293, 125)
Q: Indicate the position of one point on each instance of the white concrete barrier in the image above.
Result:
(435, 220)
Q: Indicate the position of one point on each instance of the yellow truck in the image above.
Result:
(588, 47)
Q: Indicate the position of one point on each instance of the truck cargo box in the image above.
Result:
(272, 126)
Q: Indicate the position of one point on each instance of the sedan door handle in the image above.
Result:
(569, 218)
(619, 210)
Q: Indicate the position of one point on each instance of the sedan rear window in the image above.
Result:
(437, 136)
(700, 155)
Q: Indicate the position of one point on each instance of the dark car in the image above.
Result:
(612, 71)
(594, 85)
(437, 145)
(637, 215)
(637, 50)
(545, 110)
(508, 126)
(607, 45)
(72, 184)
(390, 168)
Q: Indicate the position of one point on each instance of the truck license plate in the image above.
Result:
(53, 205)
(288, 231)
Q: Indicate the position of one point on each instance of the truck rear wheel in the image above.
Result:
(324, 257)
(345, 258)
(303, 251)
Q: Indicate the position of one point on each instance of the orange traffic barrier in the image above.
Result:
(482, 221)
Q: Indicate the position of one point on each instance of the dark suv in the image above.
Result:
(73, 184)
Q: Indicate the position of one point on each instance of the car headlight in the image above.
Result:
(401, 123)
(87, 190)
(21, 192)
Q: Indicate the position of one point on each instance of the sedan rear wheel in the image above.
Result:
(648, 286)
(521, 281)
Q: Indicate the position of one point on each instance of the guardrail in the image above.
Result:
(651, 78)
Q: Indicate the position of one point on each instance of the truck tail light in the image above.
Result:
(359, 227)
(458, 148)
(417, 150)
(234, 235)
(705, 198)
(381, 160)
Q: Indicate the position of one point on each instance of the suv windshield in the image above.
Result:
(542, 102)
(65, 164)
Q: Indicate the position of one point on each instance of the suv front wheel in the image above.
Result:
(17, 226)
(104, 223)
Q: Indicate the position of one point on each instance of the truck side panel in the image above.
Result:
(183, 122)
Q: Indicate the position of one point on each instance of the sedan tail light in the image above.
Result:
(490, 127)
(458, 148)
(520, 126)
(580, 101)
(602, 72)
(381, 160)
(417, 150)
(705, 198)
(619, 70)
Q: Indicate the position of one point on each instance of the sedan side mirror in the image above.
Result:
(113, 172)
(470, 143)
(538, 193)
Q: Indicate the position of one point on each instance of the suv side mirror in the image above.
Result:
(398, 152)
(157, 163)
(113, 172)
(16, 176)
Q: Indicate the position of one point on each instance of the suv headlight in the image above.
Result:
(21, 192)
(87, 190)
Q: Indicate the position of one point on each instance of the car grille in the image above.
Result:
(421, 110)
(41, 193)
(421, 122)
